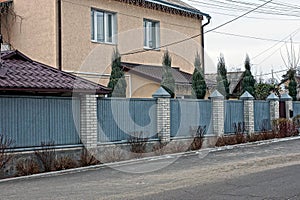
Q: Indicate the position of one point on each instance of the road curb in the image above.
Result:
(153, 158)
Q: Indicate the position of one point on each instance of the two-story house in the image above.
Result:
(79, 36)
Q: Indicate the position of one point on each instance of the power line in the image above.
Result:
(195, 36)
(234, 19)
(251, 37)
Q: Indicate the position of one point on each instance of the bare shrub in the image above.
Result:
(5, 143)
(26, 167)
(64, 162)
(284, 128)
(239, 132)
(159, 148)
(138, 144)
(46, 155)
(198, 137)
(113, 154)
(87, 158)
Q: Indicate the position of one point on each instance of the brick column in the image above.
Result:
(274, 106)
(88, 121)
(217, 113)
(288, 104)
(248, 112)
(163, 114)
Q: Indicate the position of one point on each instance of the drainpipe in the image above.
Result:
(59, 42)
(202, 41)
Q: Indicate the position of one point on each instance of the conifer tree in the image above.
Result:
(292, 87)
(117, 80)
(168, 82)
(198, 81)
(222, 81)
(248, 81)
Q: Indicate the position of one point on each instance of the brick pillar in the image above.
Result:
(163, 114)
(88, 121)
(248, 112)
(288, 104)
(274, 107)
(217, 113)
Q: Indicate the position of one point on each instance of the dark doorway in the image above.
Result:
(282, 110)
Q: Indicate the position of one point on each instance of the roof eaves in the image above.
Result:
(178, 7)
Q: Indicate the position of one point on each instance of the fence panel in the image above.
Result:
(186, 114)
(296, 108)
(262, 115)
(234, 114)
(118, 119)
(32, 120)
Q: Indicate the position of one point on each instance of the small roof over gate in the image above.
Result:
(20, 73)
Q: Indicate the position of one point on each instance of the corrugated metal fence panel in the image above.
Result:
(234, 113)
(118, 119)
(262, 115)
(32, 120)
(186, 114)
(296, 108)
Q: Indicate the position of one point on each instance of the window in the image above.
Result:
(151, 34)
(103, 26)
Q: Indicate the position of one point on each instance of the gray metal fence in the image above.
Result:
(119, 119)
(262, 116)
(32, 120)
(186, 114)
(296, 108)
(234, 114)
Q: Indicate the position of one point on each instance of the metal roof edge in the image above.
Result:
(178, 7)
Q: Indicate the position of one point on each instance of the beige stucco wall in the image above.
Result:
(33, 30)
(80, 54)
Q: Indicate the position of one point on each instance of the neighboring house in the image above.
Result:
(79, 36)
(22, 76)
(234, 78)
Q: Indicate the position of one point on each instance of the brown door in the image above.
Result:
(282, 111)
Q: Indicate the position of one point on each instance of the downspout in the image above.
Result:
(202, 41)
(59, 42)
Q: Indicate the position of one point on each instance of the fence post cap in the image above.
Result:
(272, 97)
(216, 95)
(246, 96)
(161, 93)
(285, 97)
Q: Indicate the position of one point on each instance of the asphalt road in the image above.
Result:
(282, 183)
(269, 171)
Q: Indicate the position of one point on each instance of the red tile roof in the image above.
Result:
(20, 73)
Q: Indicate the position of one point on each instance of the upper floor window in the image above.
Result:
(103, 26)
(151, 34)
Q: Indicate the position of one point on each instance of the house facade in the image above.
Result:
(80, 36)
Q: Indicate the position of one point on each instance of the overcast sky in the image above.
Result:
(284, 21)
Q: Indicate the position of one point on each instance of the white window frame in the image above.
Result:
(107, 38)
(151, 35)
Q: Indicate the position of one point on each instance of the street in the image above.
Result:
(269, 171)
